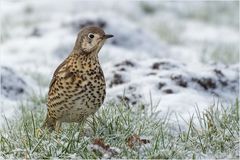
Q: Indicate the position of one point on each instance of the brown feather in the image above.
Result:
(77, 88)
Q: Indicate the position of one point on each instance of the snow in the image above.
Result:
(209, 33)
(12, 86)
(183, 87)
(44, 32)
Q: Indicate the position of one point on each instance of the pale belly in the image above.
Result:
(83, 103)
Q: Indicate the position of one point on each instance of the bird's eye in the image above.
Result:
(91, 35)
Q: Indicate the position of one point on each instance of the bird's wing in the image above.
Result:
(57, 71)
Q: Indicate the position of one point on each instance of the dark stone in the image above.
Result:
(179, 80)
(12, 86)
(163, 65)
(168, 91)
(134, 102)
(151, 74)
(20, 90)
(132, 88)
(80, 24)
(218, 73)
(122, 69)
(125, 63)
(224, 83)
(155, 66)
(136, 96)
(206, 83)
(117, 79)
(124, 99)
(36, 32)
(161, 84)
(130, 99)
(221, 77)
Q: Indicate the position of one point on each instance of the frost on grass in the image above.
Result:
(42, 35)
(123, 132)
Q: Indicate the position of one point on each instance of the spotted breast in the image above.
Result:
(78, 87)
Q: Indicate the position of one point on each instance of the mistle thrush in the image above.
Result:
(78, 87)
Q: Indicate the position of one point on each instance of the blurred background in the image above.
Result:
(182, 53)
(209, 30)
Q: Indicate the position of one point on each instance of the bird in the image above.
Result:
(78, 88)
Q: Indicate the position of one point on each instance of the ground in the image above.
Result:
(168, 57)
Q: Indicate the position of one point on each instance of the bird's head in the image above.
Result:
(91, 39)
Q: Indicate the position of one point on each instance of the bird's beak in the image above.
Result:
(106, 36)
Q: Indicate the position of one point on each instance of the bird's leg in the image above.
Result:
(58, 130)
(48, 124)
(83, 131)
(58, 127)
(94, 124)
(90, 129)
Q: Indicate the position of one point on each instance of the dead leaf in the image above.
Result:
(98, 145)
(100, 142)
(135, 140)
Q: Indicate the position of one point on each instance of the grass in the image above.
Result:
(123, 132)
(147, 8)
(169, 33)
(214, 12)
(220, 52)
